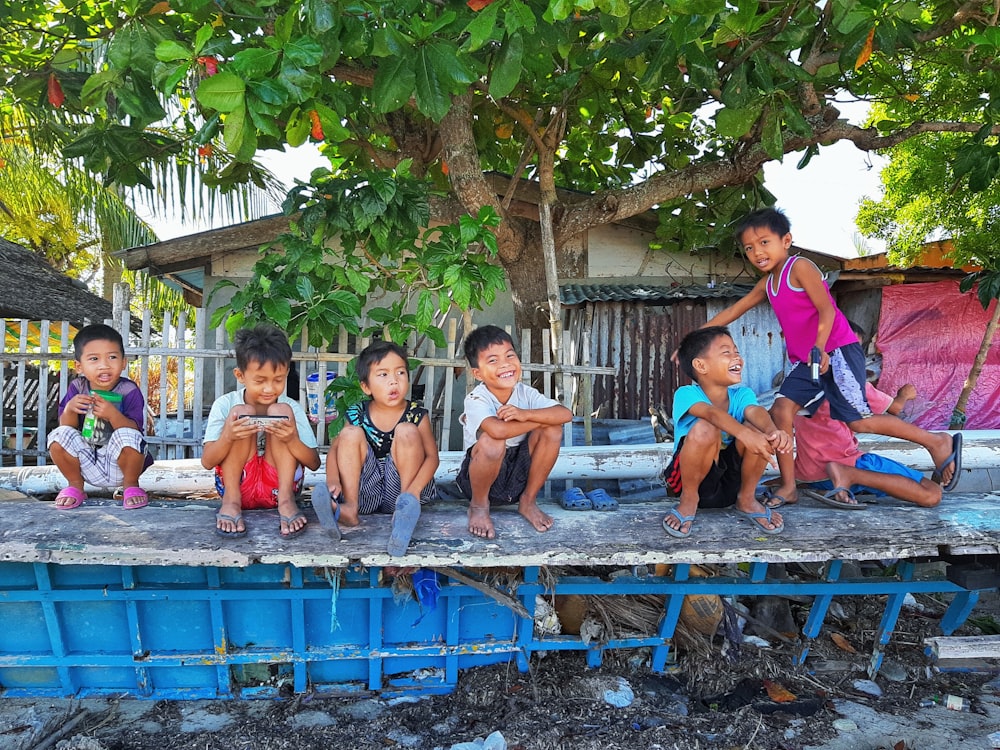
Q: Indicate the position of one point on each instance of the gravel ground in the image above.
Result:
(721, 696)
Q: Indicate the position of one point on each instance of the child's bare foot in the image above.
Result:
(840, 481)
(941, 450)
(293, 521)
(480, 523)
(229, 519)
(683, 510)
(781, 495)
(767, 519)
(536, 517)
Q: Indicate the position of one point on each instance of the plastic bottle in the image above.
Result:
(89, 424)
(814, 358)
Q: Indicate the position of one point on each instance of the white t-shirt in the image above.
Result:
(225, 403)
(481, 403)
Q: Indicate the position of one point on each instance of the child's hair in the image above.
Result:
(771, 218)
(696, 344)
(374, 353)
(96, 332)
(263, 344)
(483, 338)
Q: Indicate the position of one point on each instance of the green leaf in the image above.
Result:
(223, 92)
(201, 37)
(234, 129)
(304, 52)
(508, 69)
(733, 123)
(278, 311)
(481, 28)
(771, 138)
(169, 51)
(395, 80)
(297, 128)
(255, 62)
(432, 99)
(425, 310)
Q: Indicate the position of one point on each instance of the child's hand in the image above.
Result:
(824, 362)
(336, 490)
(281, 429)
(780, 441)
(674, 358)
(236, 429)
(80, 403)
(104, 409)
(757, 443)
(508, 413)
(907, 393)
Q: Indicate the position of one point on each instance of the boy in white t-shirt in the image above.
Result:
(512, 434)
(828, 455)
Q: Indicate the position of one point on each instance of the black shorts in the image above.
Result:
(511, 480)
(720, 487)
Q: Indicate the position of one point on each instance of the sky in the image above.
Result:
(820, 201)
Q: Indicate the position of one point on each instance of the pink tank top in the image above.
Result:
(799, 318)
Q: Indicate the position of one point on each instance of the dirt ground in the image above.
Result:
(723, 695)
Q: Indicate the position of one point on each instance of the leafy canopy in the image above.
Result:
(634, 104)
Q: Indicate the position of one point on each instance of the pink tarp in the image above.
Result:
(929, 335)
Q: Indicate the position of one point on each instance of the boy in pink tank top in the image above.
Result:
(811, 322)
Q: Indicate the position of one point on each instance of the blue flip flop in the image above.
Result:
(683, 519)
(574, 499)
(404, 520)
(766, 515)
(326, 511)
(602, 500)
(956, 456)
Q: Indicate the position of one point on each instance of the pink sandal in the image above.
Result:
(134, 498)
(70, 493)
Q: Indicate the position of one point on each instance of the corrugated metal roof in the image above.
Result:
(575, 294)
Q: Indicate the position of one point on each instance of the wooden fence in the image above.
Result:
(183, 366)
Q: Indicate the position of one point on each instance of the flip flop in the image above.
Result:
(770, 500)
(602, 500)
(830, 498)
(327, 514)
(683, 519)
(77, 496)
(235, 520)
(134, 498)
(752, 517)
(574, 499)
(404, 520)
(956, 456)
(289, 520)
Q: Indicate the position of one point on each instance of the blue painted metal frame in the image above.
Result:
(210, 632)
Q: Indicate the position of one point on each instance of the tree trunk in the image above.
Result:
(958, 415)
(526, 282)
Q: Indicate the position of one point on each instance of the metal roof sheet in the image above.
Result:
(575, 294)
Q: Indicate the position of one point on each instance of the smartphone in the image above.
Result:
(261, 420)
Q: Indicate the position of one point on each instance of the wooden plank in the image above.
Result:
(182, 533)
(964, 647)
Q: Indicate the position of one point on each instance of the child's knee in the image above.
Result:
(280, 410)
(406, 433)
(489, 449)
(703, 433)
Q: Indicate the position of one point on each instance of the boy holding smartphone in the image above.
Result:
(257, 439)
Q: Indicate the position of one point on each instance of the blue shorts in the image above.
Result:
(878, 464)
(843, 385)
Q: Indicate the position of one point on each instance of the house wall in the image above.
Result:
(616, 251)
